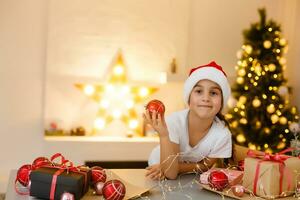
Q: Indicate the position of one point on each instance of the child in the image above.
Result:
(197, 134)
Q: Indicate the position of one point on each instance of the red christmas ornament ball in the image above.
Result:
(98, 187)
(40, 162)
(238, 190)
(67, 196)
(98, 175)
(23, 174)
(218, 180)
(114, 190)
(157, 106)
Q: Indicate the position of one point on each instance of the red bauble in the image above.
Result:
(238, 190)
(40, 162)
(114, 190)
(67, 196)
(23, 174)
(218, 180)
(157, 106)
(98, 175)
(98, 187)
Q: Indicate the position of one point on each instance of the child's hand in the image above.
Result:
(154, 172)
(157, 122)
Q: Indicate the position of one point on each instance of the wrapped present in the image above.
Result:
(51, 182)
(234, 176)
(270, 176)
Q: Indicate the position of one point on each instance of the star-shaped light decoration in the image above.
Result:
(116, 97)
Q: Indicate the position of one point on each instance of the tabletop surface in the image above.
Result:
(184, 187)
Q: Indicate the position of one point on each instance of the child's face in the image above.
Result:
(206, 99)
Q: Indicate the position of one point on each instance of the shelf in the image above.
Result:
(80, 149)
(100, 139)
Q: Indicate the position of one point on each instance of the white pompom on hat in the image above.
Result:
(212, 72)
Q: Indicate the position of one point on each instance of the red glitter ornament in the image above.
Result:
(40, 162)
(238, 190)
(156, 106)
(114, 190)
(218, 180)
(98, 175)
(23, 174)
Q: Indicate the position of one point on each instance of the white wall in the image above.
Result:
(291, 21)
(22, 61)
(216, 33)
(83, 39)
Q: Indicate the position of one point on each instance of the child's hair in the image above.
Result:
(212, 72)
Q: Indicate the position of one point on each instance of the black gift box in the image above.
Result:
(67, 181)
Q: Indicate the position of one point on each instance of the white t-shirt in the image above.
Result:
(215, 144)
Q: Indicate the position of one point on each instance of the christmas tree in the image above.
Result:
(260, 112)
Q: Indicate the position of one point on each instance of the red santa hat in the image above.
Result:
(212, 72)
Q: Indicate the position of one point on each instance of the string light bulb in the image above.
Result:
(271, 108)
(234, 124)
(243, 121)
(274, 118)
(240, 80)
(118, 70)
(256, 102)
(251, 146)
(272, 67)
(267, 130)
(267, 44)
(143, 92)
(281, 145)
(133, 123)
(264, 96)
(258, 124)
(248, 49)
(282, 61)
(294, 110)
(242, 72)
(89, 90)
(282, 41)
(241, 138)
(282, 120)
(99, 123)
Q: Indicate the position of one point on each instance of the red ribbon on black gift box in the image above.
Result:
(62, 166)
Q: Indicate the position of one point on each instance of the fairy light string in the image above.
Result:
(166, 187)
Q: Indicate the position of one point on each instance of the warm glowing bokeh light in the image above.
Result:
(116, 98)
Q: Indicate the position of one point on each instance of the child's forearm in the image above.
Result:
(201, 166)
(168, 158)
